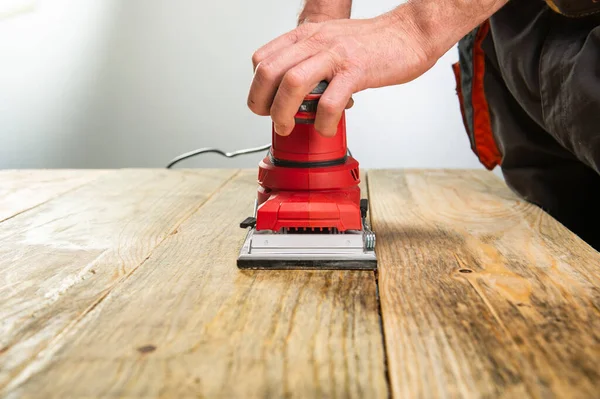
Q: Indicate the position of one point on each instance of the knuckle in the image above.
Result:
(265, 72)
(294, 79)
(319, 38)
(297, 33)
(257, 57)
(329, 106)
(339, 50)
(302, 31)
(334, 59)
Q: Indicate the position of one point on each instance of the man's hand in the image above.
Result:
(353, 55)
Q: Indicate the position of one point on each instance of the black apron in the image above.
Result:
(528, 82)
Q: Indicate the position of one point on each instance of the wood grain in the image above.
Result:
(482, 294)
(60, 259)
(188, 323)
(21, 190)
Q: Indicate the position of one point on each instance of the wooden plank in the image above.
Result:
(188, 323)
(21, 190)
(59, 260)
(482, 295)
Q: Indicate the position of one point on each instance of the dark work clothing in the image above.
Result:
(541, 84)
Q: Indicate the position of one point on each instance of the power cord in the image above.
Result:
(220, 152)
(217, 151)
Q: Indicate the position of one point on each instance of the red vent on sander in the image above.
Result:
(308, 182)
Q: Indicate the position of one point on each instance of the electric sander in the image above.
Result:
(308, 213)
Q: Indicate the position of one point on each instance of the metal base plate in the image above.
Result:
(275, 264)
(342, 251)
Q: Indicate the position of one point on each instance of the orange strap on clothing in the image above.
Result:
(483, 142)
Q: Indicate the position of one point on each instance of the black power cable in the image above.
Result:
(220, 152)
(217, 151)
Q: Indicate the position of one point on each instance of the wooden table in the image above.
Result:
(124, 284)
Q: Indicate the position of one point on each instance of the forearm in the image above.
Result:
(323, 10)
(442, 23)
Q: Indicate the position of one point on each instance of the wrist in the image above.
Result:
(324, 10)
(437, 25)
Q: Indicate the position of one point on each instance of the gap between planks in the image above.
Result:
(366, 193)
(386, 367)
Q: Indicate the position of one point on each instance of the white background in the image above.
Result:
(115, 83)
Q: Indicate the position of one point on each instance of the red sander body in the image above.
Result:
(309, 212)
